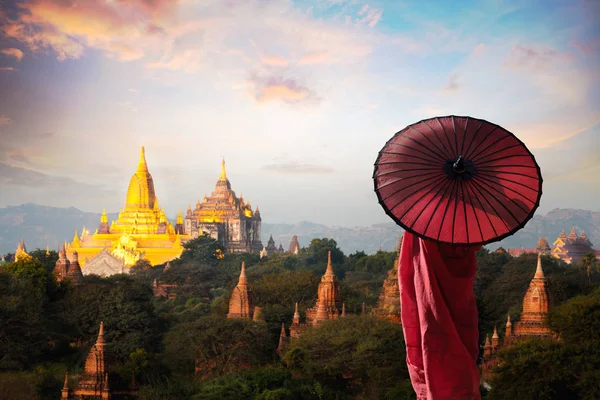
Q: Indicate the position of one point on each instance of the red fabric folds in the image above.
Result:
(439, 318)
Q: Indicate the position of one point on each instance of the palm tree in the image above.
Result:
(588, 262)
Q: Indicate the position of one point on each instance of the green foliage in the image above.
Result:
(216, 345)
(364, 355)
(123, 304)
(548, 370)
(48, 261)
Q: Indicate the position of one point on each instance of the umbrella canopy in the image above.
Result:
(457, 180)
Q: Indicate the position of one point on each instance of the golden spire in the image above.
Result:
(66, 384)
(487, 341)
(539, 272)
(179, 218)
(103, 217)
(508, 323)
(75, 243)
(47, 250)
(223, 172)
(142, 166)
(495, 335)
(243, 280)
(296, 319)
(329, 271)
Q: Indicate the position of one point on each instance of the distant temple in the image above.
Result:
(241, 303)
(97, 381)
(226, 218)
(388, 306)
(294, 247)
(572, 248)
(141, 230)
(166, 290)
(329, 305)
(21, 252)
(533, 323)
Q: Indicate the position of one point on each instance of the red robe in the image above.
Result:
(439, 319)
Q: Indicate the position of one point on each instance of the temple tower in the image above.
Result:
(74, 274)
(294, 247)
(61, 269)
(388, 305)
(241, 303)
(329, 292)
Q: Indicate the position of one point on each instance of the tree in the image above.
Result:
(215, 345)
(361, 355)
(587, 262)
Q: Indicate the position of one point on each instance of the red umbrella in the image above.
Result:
(458, 180)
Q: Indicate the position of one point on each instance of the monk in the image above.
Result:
(439, 318)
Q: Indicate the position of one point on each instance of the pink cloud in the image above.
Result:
(588, 47)
(12, 52)
(534, 58)
(274, 61)
(276, 88)
(4, 120)
(318, 57)
(369, 15)
(7, 69)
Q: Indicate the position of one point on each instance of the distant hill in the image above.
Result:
(42, 225)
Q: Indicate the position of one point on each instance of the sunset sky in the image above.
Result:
(297, 96)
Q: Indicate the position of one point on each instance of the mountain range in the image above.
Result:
(42, 226)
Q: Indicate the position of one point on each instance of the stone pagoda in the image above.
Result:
(388, 305)
(294, 247)
(572, 248)
(141, 230)
(241, 303)
(97, 381)
(533, 323)
(328, 294)
(61, 267)
(226, 218)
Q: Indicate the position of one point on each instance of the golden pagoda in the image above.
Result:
(141, 230)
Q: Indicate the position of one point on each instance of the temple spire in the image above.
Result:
(329, 271)
(100, 341)
(142, 166)
(103, 217)
(508, 323)
(223, 176)
(296, 319)
(243, 280)
(539, 272)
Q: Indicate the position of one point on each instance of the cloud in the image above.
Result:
(587, 47)
(277, 88)
(318, 57)
(297, 168)
(534, 57)
(370, 15)
(274, 61)
(4, 120)
(16, 176)
(12, 52)
(7, 69)
(452, 85)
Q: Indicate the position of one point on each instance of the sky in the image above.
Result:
(298, 97)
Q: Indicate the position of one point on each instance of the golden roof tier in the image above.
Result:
(141, 231)
(226, 218)
(572, 248)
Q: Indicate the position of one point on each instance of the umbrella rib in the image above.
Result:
(475, 187)
(509, 172)
(473, 139)
(405, 170)
(462, 147)
(474, 211)
(408, 155)
(482, 151)
(455, 209)
(409, 162)
(499, 192)
(511, 181)
(400, 179)
(441, 157)
(498, 151)
(481, 143)
(462, 188)
(480, 182)
(442, 153)
(409, 186)
(504, 158)
(407, 197)
(455, 137)
(445, 211)
(416, 201)
(445, 185)
(447, 138)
